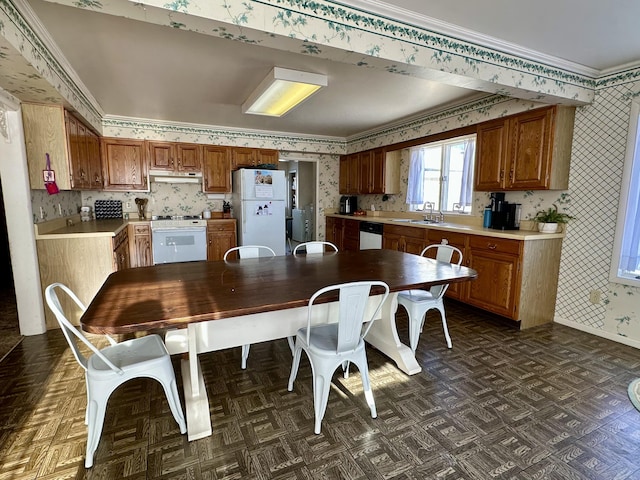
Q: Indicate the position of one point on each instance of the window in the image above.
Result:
(625, 264)
(441, 174)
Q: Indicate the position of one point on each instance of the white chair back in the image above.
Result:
(251, 251)
(353, 299)
(444, 253)
(314, 247)
(71, 333)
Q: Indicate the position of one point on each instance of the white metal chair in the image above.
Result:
(314, 247)
(419, 302)
(249, 251)
(112, 366)
(333, 344)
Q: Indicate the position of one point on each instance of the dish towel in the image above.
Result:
(634, 393)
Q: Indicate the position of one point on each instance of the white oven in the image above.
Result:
(178, 240)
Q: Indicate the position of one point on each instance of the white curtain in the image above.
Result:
(630, 254)
(466, 188)
(415, 186)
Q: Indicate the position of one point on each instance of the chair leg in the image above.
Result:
(245, 355)
(321, 386)
(294, 367)
(445, 328)
(171, 391)
(366, 384)
(345, 369)
(415, 327)
(292, 343)
(96, 411)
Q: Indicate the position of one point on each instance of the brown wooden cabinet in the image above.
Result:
(527, 151)
(350, 235)
(334, 231)
(124, 164)
(216, 169)
(245, 157)
(404, 239)
(121, 251)
(72, 146)
(140, 254)
(370, 172)
(178, 157)
(221, 236)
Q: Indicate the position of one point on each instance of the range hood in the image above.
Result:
(169, 176)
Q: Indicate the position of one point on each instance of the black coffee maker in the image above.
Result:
(504, 215)
(348, 204)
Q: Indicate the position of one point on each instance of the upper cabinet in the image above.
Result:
(125, 164)
(371, 171)
(244, 157)
(73, 148)
(178, 157)
(216, 169)
(528, 151)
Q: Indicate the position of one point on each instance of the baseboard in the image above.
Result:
(599, 333)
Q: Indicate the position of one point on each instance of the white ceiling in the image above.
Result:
(142, 70)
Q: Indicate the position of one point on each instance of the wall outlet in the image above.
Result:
(595, 296)
(128, 205)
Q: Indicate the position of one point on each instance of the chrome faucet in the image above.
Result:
(424, 207)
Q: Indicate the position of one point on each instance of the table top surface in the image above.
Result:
(176, 294)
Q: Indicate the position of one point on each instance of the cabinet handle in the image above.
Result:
(511, 175)
(501, 174)
(492, 246)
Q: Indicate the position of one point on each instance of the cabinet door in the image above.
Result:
(414, 245)
(334, 231)
(125, 165)
(221, 236)
(189, 157)
(95, 161)
(530, 150)
(267, 157)
(343, 185)
(392, 241)
(377, 171)
(496, 286)
(78, 157)
(351, 235)
(365, 177)
(491, 155)
(142, 254)
(216, 169)
(161, 155)
(242, 157)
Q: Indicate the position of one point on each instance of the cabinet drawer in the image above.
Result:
(500, 245)
(413, 232)
(141, 229)
(452, 238)
(221, 226)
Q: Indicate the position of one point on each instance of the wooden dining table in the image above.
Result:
(209, 306)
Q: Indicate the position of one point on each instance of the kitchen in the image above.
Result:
(598, 145)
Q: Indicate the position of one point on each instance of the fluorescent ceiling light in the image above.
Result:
(282, 90)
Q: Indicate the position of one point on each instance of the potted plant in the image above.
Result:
(549, 220)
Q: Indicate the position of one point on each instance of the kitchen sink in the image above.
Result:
(404, 220)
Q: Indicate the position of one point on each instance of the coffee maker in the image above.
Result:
(348, 204)
(504, 215)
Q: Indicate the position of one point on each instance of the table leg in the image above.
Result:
(195, 393)
(384, 336)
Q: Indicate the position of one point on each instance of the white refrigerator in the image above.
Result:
(258, 202)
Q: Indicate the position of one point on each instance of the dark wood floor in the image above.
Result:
(547, 403)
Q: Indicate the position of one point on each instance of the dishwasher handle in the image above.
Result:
(371, 227)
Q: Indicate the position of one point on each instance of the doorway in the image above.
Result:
(301, 200)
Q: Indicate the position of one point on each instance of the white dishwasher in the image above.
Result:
(370, 236)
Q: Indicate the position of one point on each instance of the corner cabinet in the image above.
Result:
(527, 151)
(73, 148)
(370, 172)
(216, 169)
(221, 236)
(124, 164)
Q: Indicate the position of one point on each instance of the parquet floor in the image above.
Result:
(547, 403)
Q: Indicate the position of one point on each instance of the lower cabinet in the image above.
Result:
(351, 235)
(121, 251)
(404, 239)
(517, 279)
(221, 236)
(334, 231)
(140, 244)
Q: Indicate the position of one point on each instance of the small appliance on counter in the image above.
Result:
(348, 204)
(108, 209)
(504, 215)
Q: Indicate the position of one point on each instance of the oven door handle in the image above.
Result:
(179, 230)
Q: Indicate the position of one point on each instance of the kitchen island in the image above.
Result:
(517, 269)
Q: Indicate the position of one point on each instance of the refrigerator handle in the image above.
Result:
(244, 217)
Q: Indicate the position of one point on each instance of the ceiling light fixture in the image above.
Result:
(282, 90)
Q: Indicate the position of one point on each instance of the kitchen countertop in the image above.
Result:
(449, 226)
